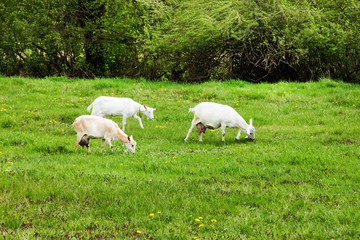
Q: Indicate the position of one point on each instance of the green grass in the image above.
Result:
(299, 179)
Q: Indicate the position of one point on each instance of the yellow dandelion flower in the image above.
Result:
(138, 231)
(197, 220)
(151, 214)
(200, 218)
(196, 238)
(158, 212)
(201, 225)
(213, 220)
(6, 170)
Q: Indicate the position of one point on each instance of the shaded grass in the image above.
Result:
(298, 179)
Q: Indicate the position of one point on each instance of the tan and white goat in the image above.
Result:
(92, 127)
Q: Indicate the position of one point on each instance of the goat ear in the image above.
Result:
(128, 138)
(250, 123)
(145, 107)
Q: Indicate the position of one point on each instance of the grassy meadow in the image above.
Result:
(299, 179)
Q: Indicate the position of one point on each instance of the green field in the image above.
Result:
(299, 179)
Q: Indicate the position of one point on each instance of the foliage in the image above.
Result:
(298, 179)
(191, 41)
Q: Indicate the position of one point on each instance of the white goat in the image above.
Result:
(88, 127)
(126, 107)
(214, 115)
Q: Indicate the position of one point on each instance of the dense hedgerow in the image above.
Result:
(189, 41)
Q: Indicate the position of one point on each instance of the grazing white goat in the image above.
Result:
(214, 115)
(126, 107)
(88, 127)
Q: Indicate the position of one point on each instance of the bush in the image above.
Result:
(190, 41)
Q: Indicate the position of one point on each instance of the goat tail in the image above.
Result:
(192, 110)
(89, 107)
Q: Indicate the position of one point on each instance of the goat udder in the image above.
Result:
(84, 141)
(200, 128)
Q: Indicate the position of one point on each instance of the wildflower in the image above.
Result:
(158, 212)
(6, 170)
(197, 220)
(10, 162)
(138, 231)
(201, 225)
(151, 214)
(196, 238)
(200, 218)
(213, 220)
